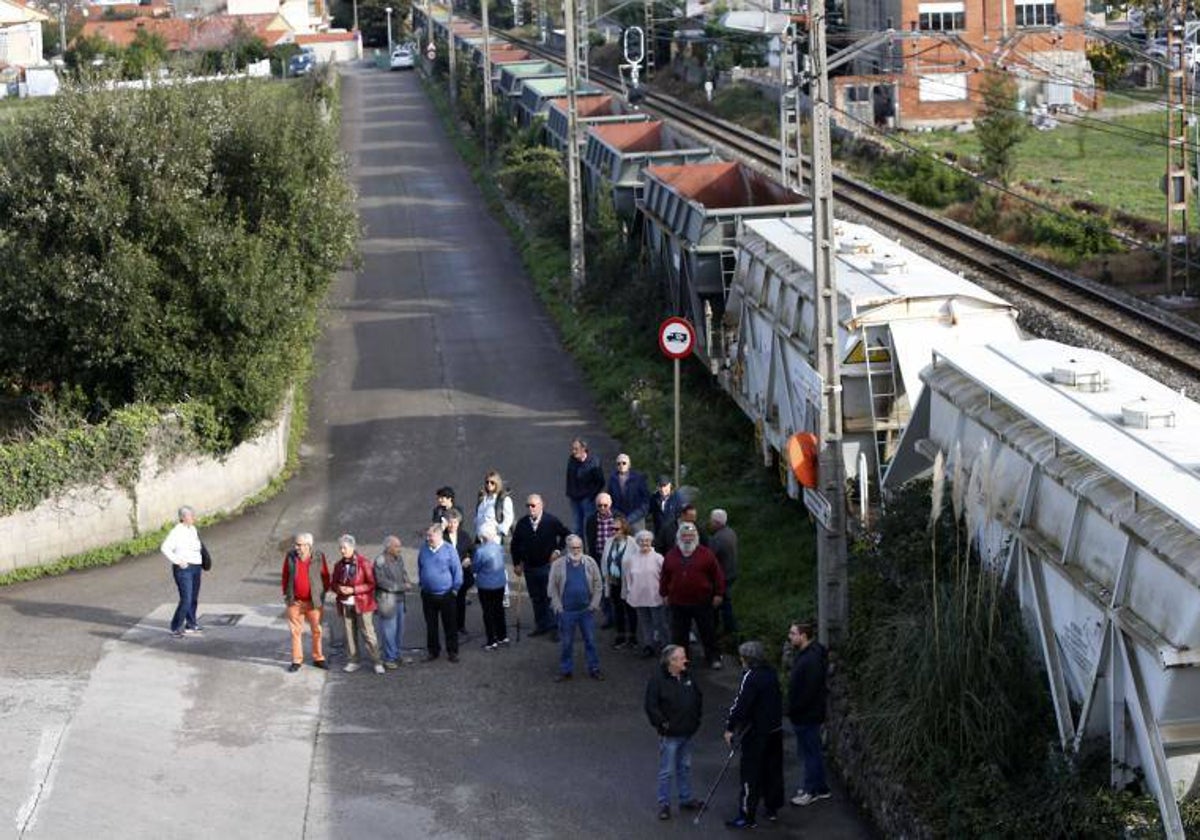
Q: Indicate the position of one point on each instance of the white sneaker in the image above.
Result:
(804, 798)
(379, 669)
(350, 667)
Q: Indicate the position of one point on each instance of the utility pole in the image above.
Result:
(648, 38)
(1176, 181)
(574, 187)
(451, 57)
(487, 79)
(832, 574)
(790, 141)
(581, 41)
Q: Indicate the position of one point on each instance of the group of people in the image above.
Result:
(754, 725)
(634, 557)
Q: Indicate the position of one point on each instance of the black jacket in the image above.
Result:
(806, 685)
(531, 549)
(673, 704)
(584, 478)
(758, 708)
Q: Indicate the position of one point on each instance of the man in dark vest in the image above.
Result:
(536, 536)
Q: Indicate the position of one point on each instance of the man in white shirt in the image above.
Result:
(182, 549)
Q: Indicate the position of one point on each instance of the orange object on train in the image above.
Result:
(802, 451)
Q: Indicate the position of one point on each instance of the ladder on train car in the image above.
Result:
(880, 361)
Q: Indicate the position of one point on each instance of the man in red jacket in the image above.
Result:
(354, 587)
(305, 582)
(693, 585)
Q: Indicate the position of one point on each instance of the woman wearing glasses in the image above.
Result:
(494, 506)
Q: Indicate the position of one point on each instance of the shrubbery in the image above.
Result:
(170, 245)
(952, 700)
(923, 180)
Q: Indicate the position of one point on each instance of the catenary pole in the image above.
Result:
(832, 573)
(574, 187)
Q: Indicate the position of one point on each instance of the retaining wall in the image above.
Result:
(93, 516)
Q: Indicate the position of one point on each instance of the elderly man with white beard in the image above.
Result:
(693, 585)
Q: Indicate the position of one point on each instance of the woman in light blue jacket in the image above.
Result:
(490, 580)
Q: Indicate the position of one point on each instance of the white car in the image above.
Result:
(403, 59)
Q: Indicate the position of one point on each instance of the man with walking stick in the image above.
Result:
(674, 705)
(757, 713)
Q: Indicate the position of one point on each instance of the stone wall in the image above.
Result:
(89, 517)
(873, 786)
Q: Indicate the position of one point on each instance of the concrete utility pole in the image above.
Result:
(574, 187)
(451, 57)
(582, 44)
(1177, 187)
(487, 69)
(790, 143)
(833, 610)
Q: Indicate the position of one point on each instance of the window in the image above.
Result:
(1036, 14)
(942, 87)
(941, 17)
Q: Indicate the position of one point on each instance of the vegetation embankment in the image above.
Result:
(942, 689)
(163, 260)
(610, 328)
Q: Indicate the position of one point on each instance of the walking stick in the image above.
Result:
(733, 748)
(516, 599)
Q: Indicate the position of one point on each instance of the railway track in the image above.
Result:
(1126, 320)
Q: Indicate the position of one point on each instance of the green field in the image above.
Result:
(1115, 161)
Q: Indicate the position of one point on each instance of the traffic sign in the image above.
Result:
(431, 51)
(818, 506)
(676, 338)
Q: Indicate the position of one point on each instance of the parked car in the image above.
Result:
(1158, 50)
(302, 63)
(403, 58)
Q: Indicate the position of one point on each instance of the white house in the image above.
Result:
(20, 34)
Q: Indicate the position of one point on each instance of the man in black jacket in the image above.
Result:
(585, 478)
(674, 705)
(535, 537)
(806, 709)
(757, 713)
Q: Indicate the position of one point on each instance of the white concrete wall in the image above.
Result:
(89, 517)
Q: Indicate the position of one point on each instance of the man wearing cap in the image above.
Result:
(693, 586)
(444, 504)
(664, 505)
(630, 495)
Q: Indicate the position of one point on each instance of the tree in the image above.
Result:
(169, 244)
(1001, 127)
(146, 54)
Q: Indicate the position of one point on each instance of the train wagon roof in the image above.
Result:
(1158, 462)
(871, 269)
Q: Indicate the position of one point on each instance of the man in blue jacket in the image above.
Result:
(630, 495)
(439, 572)
(757, 714)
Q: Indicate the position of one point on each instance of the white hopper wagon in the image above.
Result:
(1084, 485)
(894, 306)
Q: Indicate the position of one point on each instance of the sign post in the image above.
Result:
(676, 339)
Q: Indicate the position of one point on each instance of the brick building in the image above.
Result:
(928, 73)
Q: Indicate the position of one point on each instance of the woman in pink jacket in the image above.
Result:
(642, 568)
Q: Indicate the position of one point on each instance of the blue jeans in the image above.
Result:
(582, 509)
(537, 581)
(187, 581)
(808, 747)
(674, 756)
(567, 622)
(391, 633)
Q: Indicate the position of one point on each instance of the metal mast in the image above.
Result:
(574, 187)
(648, 45)
(790, 152)
(581, 41)
(487, 66)
(451, 57)
(1177, 187)
(832, 574)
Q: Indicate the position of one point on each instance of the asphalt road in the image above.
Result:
(436, 363)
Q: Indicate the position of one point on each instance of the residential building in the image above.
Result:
(929, 71)
(20, 34)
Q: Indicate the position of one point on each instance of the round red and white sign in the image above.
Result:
(431, 51)
(676, 338)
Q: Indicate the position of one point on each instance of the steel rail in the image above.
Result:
(1136, 323)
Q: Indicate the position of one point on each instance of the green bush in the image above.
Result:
(951, 698)
(1070, 232)
(924, 180)
(170, 245)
